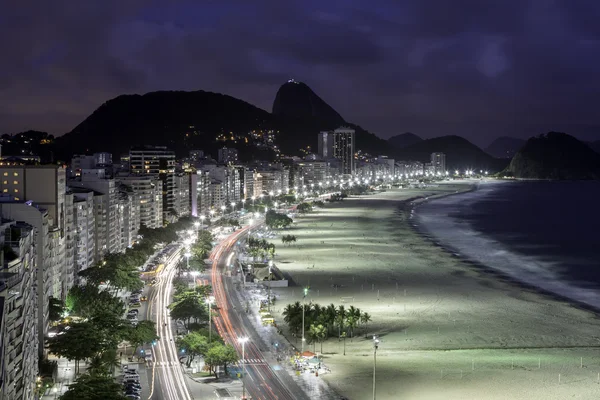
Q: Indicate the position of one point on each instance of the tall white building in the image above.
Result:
(84, 229)
(325, 145)
(343, 149)
(18, 308)
(181, 192)
(36, 216)
(156, 161)
(129, 215)
(149, 190)
(438, 161)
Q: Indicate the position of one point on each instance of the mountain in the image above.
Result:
(179, 120)
(460, 154)
(404, 140)
(555, 155)
(296, 100)
(505, 147)
(595, 146)
(204, 120)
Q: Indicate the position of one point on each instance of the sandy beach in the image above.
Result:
(449, 330)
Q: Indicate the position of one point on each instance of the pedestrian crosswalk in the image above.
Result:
(251, 361)
(167, 363)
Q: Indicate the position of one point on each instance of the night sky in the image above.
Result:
(478, 68)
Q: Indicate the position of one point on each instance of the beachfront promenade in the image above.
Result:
(448, 330)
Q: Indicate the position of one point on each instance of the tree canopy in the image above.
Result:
(94, 387)
(277, 220)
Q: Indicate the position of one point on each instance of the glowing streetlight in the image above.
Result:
(233, 206)
(243, 341)
(375, 346)
(303, 302)
(223, 209)
(202, 218)
(187, 259)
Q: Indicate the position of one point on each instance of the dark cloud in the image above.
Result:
(470, 67)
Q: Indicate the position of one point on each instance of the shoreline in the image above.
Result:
(434, 311)
(477, 266)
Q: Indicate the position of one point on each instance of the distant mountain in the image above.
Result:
(555, 155)
(179, 120)
(204, 120)
(460, 154)
(296, 100)
(404, 140)
(595, 146)
(505, 147)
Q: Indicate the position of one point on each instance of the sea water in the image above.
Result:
(545, 234)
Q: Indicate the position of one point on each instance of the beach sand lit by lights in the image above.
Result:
(448, 330)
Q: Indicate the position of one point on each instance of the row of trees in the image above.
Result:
(215, 352)
(201, 249)
(189, 305)
(322, 322)
(260, 248)
(95, 326)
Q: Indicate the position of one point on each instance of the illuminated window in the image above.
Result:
(6, 174)
(15, 173)
(15, 182)
(16, 190)
(16, 199)
(5, 190)
(5, 182)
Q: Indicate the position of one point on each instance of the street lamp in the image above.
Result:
(375, 346)
(212, 213)
(243, 341)
(223, 209)
(233, 206)
(187, 259)
(210, 300)
(303, 302)
(197, 225)
(202, 217)
(269, 293)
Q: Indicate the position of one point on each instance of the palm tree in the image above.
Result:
(352, 318)
(317, 333)
(365, 318)
(340, 318)
(292, 315)
(330, 315)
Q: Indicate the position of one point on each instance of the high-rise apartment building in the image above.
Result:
(325, 145)
(149, 192)
(343, 149)
(18, 308)
(438, 161)
(156, 161)
(36, 216)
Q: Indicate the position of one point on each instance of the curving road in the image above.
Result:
(167, 379)
(262, 381)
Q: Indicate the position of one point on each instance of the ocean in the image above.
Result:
(544, 234)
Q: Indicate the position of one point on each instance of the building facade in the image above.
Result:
(343, 149)
(18, 327)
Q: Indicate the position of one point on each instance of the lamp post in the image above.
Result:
(202, 218)
(212, 213)
(187, 259)
(223, 210)
(303, 302)
(197, 225)
(243, 341)
(210, 300)
(375, 346)
(269, 293)
(233, 206)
